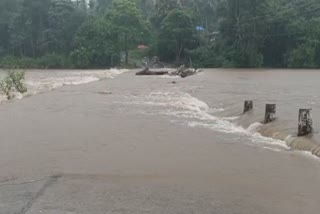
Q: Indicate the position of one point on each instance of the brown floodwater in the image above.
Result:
(128, 144)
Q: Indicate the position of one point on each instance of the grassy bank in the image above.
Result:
(44, 62)
(58, 61)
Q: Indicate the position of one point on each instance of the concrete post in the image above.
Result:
(270, 114)
(248, 106)
(305, 122)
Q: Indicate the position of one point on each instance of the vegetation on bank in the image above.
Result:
(45, 62)
(206, 33)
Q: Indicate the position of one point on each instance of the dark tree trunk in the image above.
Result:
(126, 49)
(178, 54)
(33, 52)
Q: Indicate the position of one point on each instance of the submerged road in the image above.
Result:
(86, 150)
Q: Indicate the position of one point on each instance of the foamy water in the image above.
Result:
(197, 114)
(220, 111)
(41, 81)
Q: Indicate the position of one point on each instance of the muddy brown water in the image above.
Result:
(145, 145)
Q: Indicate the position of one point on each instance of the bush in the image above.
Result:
(302, 57)
(205, 57)
(47, 61)
(17, 79)
(11, 62)
(80, 58)
(53, 61)
(138, 54)
(13, 82)
(27, 62)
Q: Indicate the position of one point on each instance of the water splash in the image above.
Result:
(42, 81)
(196, 113)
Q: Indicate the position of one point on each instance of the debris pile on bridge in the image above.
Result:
(182, 72)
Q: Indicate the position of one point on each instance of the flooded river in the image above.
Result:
(215, 100)
(108, 141)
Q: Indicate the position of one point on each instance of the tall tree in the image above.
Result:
(28, 25)
(127, 22)
(96, 45)
(241, 32)
(176, 34)
(7, 10)
(103, 5)
(162, 9)
(64, 19)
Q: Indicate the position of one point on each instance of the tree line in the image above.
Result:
(204, 33)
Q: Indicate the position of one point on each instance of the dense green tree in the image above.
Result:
(306, 52)
(162, 9)
(203, 12)
(242, 32)
(102, 5)
(263, 33)
(7, 9)
(176, 34)
(64, 20)
(127, 23)
(96, 45)
(28, 26)
(211, 33)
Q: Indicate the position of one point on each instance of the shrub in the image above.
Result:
(46, 61)
(11, 62)
(8, 62)
(13, 82)
(205, 57)
(53, 61)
